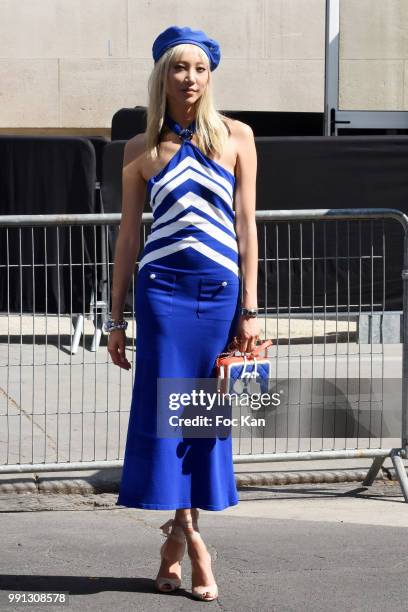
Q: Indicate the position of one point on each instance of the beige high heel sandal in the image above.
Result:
(178, 534)
(199, 592)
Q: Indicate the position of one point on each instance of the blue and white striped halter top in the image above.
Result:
(192, 203)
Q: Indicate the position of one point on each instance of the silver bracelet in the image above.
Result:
(111, 324)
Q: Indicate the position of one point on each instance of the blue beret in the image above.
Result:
(177, 36)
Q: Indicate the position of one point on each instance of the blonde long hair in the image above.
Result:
(211, 129)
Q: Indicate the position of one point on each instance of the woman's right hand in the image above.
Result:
(116, 348)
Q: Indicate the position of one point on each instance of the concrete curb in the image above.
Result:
(102, 483)
(302, 477)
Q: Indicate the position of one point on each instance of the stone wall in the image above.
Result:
(69, 65)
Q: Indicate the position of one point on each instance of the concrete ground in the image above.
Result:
(306, 535)
(322, 547)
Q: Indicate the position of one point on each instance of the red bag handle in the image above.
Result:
(261, 347)
(254, 353)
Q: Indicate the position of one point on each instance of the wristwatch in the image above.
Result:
(249, 312)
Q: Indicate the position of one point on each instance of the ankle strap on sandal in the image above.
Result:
(166, 527)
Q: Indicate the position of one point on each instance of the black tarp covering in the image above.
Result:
(127, 122)
(360, 262)
(46, 175)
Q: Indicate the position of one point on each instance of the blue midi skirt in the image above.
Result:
(183, 322)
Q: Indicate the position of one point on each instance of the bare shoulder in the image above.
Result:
(134, 150)
(239, 130)
(241, 139)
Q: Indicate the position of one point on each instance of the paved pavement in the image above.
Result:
(322, 547)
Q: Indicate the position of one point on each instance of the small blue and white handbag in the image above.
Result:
(238, 373)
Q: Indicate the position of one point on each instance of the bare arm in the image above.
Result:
(128, 242)
(127, 245)
(245, 226)
(245, 198)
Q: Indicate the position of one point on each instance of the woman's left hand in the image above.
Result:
(247, 334)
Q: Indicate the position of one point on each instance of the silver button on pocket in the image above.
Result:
(154, 294)
(217, 299)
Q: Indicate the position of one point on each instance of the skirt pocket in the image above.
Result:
(155, 292)
(218, 298)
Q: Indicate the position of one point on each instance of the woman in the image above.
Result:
(199, 170)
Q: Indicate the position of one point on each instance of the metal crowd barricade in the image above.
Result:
(61, 410)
